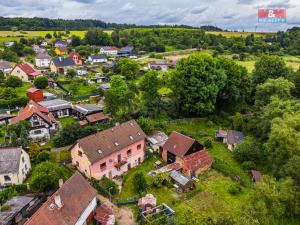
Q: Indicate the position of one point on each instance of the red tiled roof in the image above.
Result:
(31, 109)
(178, 143)
(96, 117)
(197, 160)
(75, 194)
(111, 140)
(28, 69)
(104, 215)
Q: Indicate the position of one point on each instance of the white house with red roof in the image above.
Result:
(42, 121)
(109, 50)
(25, 72)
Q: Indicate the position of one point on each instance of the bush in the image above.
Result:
(109, 185)
(147, 124)
(41, 82)
(208, 143)
(139, 182)
(42, 157)
(234, 189)
(161, 179)
(4, 208)
(13, 81)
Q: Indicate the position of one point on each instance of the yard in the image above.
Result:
(211, 199)
(67, 120)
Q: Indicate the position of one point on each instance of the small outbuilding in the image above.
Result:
(104, 215)
(181, 182)
(156, 140)
(147, 204)
(58, 107)
(255, 176)
(16, 211)
(233, 138)
(84, 110)
(35, 94)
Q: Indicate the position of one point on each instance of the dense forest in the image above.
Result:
(35, 23)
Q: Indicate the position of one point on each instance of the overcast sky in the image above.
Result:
(227, 14)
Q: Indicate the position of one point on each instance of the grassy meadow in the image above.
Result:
(236, 34)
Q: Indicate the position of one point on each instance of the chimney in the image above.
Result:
(57, 201)
(60, 182)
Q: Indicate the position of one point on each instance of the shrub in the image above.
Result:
(161, 179)
(109, 185)
(208, 143)
(4, 208)
(42, 157)
(13, 81)
(139, 182)
(234, 189)
(41, 82)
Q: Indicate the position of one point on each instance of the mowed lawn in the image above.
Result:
(211, 198)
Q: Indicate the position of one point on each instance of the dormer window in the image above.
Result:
(99, 151)
(139, 134)
(116, 144)
(130, 137)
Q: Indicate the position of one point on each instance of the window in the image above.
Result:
(103, 166)
(77, 163)
(36, 124)
(139, 147)
(116, 144)
(7, 178)
(130, 137)
(34, 117)
(80, 153)
(119, 158)
(25, 166)
(23, 160)
(37, 132)
(129, 152)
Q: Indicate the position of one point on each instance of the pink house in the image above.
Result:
(76, 58)
(111, 152)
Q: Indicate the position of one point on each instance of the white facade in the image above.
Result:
(93, 60)
(6, 70)
(19, 176)
(42, 63)
(40, 128)
(108, 52)
(89, 209)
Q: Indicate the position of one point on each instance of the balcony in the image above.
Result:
(120, 163)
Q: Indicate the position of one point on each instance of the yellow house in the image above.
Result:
(61, 51)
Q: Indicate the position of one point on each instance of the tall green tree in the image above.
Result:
(115, 98)
(196, 83)
(151, 101)
(238, 84)
(279, 87)
(269, 66)
(283, 141)
(139, 182)
(45, 177)
(128, 68)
